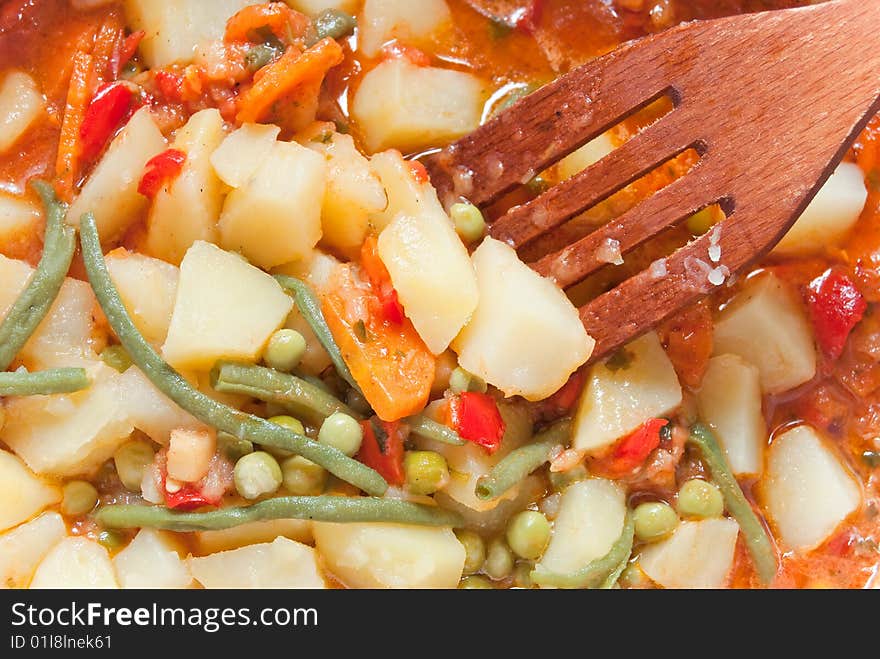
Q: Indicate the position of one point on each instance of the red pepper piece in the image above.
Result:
(420, 174)
(632, 451)
(160, 170)
(188, 497)
(382, 449)
(528, 18)
(380, 281)
(836, 306)
(109, 108)
(126, 49)
(170, 85)
(476, 418)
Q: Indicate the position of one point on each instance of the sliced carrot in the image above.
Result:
(285, 23)
(291, 71)
(79, 93)
(107, 43)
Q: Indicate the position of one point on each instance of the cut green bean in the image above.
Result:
(521, 462)
(34, 302)
(206, 409)
(757, 541)
(322, 508)
(426, 427)
(43, 383)
(310, 308)
(598, 573)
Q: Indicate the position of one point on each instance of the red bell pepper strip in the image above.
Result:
(475, 417)
(632, 451)
(110, 107)
(836, 306)
(382, 449)
(125, 50)
(380, 281)
(161, 170)
(188, 497)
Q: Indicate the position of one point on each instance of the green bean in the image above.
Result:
(310, 308)
(429, 429)
(521, 462)
(43, 383)
(34, 302)
(334, 23)
(322, 508)
(757, 541)
(598, 573)
(206, 409)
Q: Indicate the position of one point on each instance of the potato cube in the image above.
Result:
(242, 153)
(22, 493)
(19, 220)
(147, 287)
(410, 22)
(282, 563)
(75, 562)
(22, 548)
(151, 411)
(405, 194)
(152, 560)
(253, 533)
(315, 7)
(190, 453)
(21, 103)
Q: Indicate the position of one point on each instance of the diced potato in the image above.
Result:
(730, 402)
(589, 154)
(353, 193)
(410, 22)
(432, 274)
(315, 359)
(590, 520)
(22, 548)
(767, 327)
(152, 560)
(225, 309)
(22, 493)
(408, 107)
(175, 27)
(390, 555)
(15, 275)
(253, 533)
(525, 337)
(405, 194)
(75, 562)
(620, 398)
(282, 563)
(21, 103)
(18, 221)
(242, 153)
(275, 217)
(111, 190)
(147, 287)
(188, 209)
(806, 491)
(151, 411)
(69, 434)
(190, 453)
(315, 7)
(830, 216)
(698, 555)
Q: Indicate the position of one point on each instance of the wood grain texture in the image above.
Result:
(771, 101)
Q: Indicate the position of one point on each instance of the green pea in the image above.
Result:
(426, 471)
(116, 357)
(499, 560)
(111, 539)
(699, 499)
(460, 380)
(78, 498)
(474, 550)
(257, 474)
(528, 533)
(334, 23)
(285, 350)
(469, 222)
(342, 432)
(302, 477)
(654, 520)
(233, 447)
(475, 583)
(131, 459)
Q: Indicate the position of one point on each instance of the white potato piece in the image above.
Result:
(69, 434)
(275, 217)
(806, 491)
(22, 492)
(525, 336)
(698, 555)
(147, 287)
(589, 154)
(190, 453)
(830, 216)
(253, 533)
(616, 401)
(151, 411)
(408, 107)
(187, 210)
(21, 103)
(390, 555)
(404, 193)
(730, 402)
(410, 22)
(18, 219)
(174, 28)
(76, 562)
(282, 563)
(111, 190)
(225, 309)
(767, 327)
(315, 359)
(242, 152)
(432, 274)
(152, 560)
(22, 548)
(354, 192)
(315, 7)
(590, 520)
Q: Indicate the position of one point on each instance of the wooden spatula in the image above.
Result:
(771, 102)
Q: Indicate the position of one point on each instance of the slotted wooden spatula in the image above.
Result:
(771, 102)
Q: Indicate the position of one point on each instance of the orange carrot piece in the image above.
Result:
(79, 93)
(290, 71)
(106, 49)
(285, 23)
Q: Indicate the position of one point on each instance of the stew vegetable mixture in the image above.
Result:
(244, 344)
